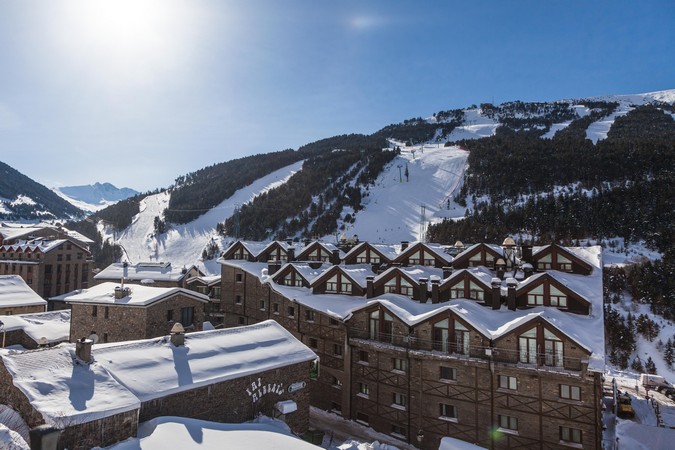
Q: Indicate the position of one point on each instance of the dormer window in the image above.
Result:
(476, 292)
(564, 264)
(475, 260)
(544, 262)
(338, 284)
(400, 286)
(457, 291)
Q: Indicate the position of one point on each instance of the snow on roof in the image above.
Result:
(180, 432)
(141, 271)
(388, 251)
(64, 390)
(139, 295)
(154, 368)
(14, 231)
(11, 440)
(414, 272)
(42, 244)
(208, 280)
(448, 443)
(498, 249)
(358, 273)
(52, 325)
(482, 274)
(309, 273)
(254, 248)
(14, 292)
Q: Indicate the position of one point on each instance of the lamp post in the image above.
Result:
(4, 332)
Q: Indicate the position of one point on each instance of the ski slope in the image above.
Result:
(393, 206)
(183, 244)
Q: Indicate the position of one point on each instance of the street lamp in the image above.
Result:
(4, 332)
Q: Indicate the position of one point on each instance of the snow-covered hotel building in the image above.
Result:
(502, 346)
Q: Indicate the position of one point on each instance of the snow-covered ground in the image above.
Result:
(393, 207)
(183, 244)
(476, 126)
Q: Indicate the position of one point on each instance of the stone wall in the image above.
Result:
(14, 310)
(236, 401)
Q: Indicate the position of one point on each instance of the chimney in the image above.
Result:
(177, 335)
(527, 270)
(526, 250)
(404, 245)
(511, 284)
(121, 292)
(273, 266)
(435, 287)
(422, 291)
(370, 289)
(83, 349)
(447, 272)
(290, 254)
(335, 257)
(306, 242)
(289, 242)
(496, 284)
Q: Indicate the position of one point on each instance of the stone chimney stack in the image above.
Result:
(121, 292)
(370, 289)
(435, 288)
(422, 291)
(404, 245)
(447, 272)
(178, 335)
(273, 266)
(511, 284)
(335, 257)
(496, 285)
(83, 349)
(526, 250)
(290, 253)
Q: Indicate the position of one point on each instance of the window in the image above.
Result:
(105, 337)
(106, 312)
(527, 347)
(361, 417)
(399, 364)
(446, 411)
(570, 435)
(536, 296)
(363, 356)
(462, 339)
(564, 264)
(169, 315)
(476, 292)
(553, 350)
(508, 422)
(363, 389)
(441, 335)
(336, 408)
(94, 311)
(374, 325)
(262, 305)
(337, 382)
(337, 349)
(291, 311)
(570, 392)
(399, 399)
(313, 343)
(239, 277)
(275, 308)
(242, 320)
(448, 373)
(237, 299)
(544, 262)
(398, 431)
(506, 382)
(187, 316)
(309, 315)
(457, 291)
(558, 298)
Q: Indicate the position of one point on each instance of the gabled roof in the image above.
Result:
(326, 246)
(355, 272)
(435, 249)
(306, 271)
(211, 280)
(253, 247)
(491, 248)
(67, 392)
(411, 273)
(15, 231)
(14, 292)
(478, 274)
(283, 244)
(156, 271)
(569, 281)
(387, 252)
(139, 295)
(573, 255)
(42, 244)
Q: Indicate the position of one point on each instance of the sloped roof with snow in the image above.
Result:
(388, 251)
(155, 368)
(357, 272)
(139, 295)
(66, 391)
(52, 325)
(156, 271)
(14, 292)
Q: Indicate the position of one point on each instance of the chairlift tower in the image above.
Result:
(423, 219)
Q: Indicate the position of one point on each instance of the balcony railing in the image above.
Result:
(540, 361)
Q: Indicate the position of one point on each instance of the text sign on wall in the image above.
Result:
(257, 389)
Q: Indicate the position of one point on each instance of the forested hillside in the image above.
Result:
(23, 199)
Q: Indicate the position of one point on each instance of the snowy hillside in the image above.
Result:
(393, 206)
(183, 244)
(93, 197)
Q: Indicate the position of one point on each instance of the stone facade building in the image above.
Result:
(504, 350)
(209, 286)
(132, 312)
(98, 395)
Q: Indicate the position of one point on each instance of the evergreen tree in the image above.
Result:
(636, 365)
(650, 367)
(668, 354)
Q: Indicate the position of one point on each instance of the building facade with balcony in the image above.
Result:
(500, 357)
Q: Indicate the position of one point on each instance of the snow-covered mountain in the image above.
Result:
(94, 197)
(416, 189)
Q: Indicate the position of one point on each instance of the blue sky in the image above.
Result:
(137, 92)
